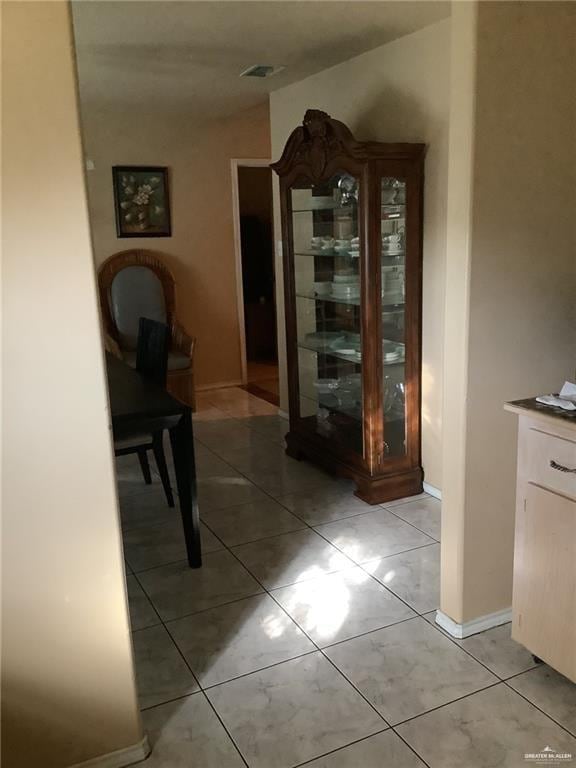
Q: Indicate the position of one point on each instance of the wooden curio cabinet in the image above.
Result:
(352, 249)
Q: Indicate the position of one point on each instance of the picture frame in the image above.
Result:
(141, 201)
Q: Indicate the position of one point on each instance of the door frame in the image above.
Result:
(235, 165)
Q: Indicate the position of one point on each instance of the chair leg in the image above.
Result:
(158, 448)
(144, 465)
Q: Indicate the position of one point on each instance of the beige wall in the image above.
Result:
(522, 281)
(201, 249)
(68, 692)
(398, 92)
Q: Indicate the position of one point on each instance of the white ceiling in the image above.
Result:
(172, 54)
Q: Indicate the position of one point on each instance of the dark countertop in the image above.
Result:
(530, 404)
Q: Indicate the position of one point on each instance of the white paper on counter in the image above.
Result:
(557, 402)
(568, 391)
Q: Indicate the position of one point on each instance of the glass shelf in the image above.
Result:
(326, 255)
(355, 358)
(392, 258)
(335, 207)
(330, 402)
(391, 307)
(331, 299)
(386, 306)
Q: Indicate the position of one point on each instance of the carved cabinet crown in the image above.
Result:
(314, 142)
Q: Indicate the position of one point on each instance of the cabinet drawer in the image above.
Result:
(550, 459)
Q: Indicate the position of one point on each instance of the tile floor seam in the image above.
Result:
(371, 631)
(459, 698)
(282, 608)
(226, 731)
(211, 607)
(358, 691)
(256, 541)
(339, 671)
(388, 588)
(462, 648)
(261, 669)
(194, 613)
(352, 564)
(437, 541)
(170, 701)
(446, 704)
(339, 749)
(318, 649)
(407, 500)
(310, 527)
(203, 693)
(418, 615)
(264, 490)
(165, 565)
(149, 600)
(523, 672)
(306, 524)
(413, 749)
(267, 493)
(327, 522)
(372, 559)
(564, 728)
(315, 529)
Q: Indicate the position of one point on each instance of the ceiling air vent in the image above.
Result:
(261, 70)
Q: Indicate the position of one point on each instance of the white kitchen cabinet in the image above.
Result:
(544, 594)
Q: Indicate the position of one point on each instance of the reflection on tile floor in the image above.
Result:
(308, 635)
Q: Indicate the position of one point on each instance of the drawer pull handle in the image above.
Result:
(561, 467)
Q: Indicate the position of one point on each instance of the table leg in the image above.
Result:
(181, 439)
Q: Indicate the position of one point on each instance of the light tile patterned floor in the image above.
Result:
(308, 636)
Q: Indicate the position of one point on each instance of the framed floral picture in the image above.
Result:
(141, 201)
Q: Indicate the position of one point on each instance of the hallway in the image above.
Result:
(309, 634)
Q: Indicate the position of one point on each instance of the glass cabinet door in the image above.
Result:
(393, 288)
(326, 245)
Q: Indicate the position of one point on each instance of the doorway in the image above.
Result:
(256, 277)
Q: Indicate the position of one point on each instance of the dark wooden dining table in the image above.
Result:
(140, 407)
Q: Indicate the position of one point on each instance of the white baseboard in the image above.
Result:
(120, 758)
(473, 626)
(283, 414)
(430, 489)
(219, 385)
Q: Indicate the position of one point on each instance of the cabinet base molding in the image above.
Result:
(473, 626)
(121, 757)
(371, 489)
(377, 490)
(432, 491)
